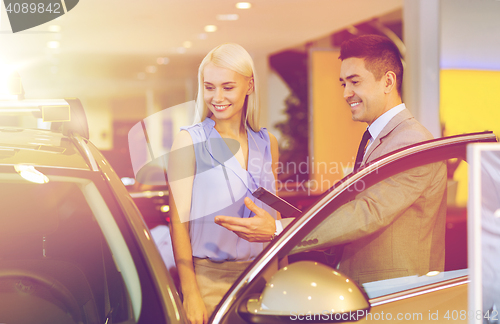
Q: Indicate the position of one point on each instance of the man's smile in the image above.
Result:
(354, 104)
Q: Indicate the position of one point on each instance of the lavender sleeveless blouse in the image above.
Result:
(219, 188)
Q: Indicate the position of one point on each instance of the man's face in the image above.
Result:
(364, 94)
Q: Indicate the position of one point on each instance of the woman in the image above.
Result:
(215, 165)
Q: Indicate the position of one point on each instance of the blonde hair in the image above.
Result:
(235, 58)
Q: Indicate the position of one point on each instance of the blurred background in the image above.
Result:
(127, 59)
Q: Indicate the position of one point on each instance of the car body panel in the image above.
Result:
(428, 304)
(163, 282)
(73, 159)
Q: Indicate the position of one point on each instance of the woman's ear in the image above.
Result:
(250, 86)
(390, 81)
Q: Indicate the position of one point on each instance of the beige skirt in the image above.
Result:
(215, 278)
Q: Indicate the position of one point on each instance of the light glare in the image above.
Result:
(432, 273)
(128, 181)
(151, 69)
(29, 173)
(55, 28)
(53, 44)
(210, 28)
(227, 17)
(162, 60)
(243, 5)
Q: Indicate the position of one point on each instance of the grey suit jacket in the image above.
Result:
(396, 227)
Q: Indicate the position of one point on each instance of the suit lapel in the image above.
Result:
(393, 123)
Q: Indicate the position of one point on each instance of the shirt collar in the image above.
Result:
(378, 125)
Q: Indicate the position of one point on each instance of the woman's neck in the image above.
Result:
(229, 128)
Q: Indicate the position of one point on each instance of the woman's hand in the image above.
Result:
(195, 309)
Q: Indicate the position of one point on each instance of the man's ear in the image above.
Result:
(250, 86)
(390, 81)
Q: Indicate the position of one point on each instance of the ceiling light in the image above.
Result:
(227, 17)
(181, 50)
(162, 60)
(210, 28)
(202, 36)
(187, 44)
(53, 44)
(243, 5)
(55, 28)
(29, 173)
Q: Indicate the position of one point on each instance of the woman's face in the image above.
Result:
(225, 92)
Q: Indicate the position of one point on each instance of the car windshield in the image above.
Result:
(63, 250)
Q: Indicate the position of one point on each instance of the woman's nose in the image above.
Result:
(219, 96)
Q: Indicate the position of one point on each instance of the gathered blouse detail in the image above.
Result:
(219, 187)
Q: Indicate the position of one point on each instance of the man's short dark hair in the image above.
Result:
(380, 54)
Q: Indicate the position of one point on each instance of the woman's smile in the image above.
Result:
(221, 107)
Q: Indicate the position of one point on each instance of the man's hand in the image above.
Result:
(259, 228)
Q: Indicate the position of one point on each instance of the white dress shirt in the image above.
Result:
(376, 127)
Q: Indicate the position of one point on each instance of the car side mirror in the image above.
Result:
(310, 291)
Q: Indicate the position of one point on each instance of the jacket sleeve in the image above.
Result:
(374, 208)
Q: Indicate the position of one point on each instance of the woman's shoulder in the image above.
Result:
(192, 127)
(267, 136)
(274, 146)
(272, 138)
(199, 130)
(262, 133)
(182, 139)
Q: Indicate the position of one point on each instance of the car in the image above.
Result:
(310, 289)
(74, 246)
(76, 249)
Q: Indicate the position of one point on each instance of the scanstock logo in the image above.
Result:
(26, 14)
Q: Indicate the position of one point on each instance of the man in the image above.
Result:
(396, 227)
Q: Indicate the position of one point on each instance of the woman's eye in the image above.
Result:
(208, 88)
(228, 88)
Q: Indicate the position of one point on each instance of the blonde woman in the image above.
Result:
(220, 162)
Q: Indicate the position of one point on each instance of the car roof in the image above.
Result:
(39, 148)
